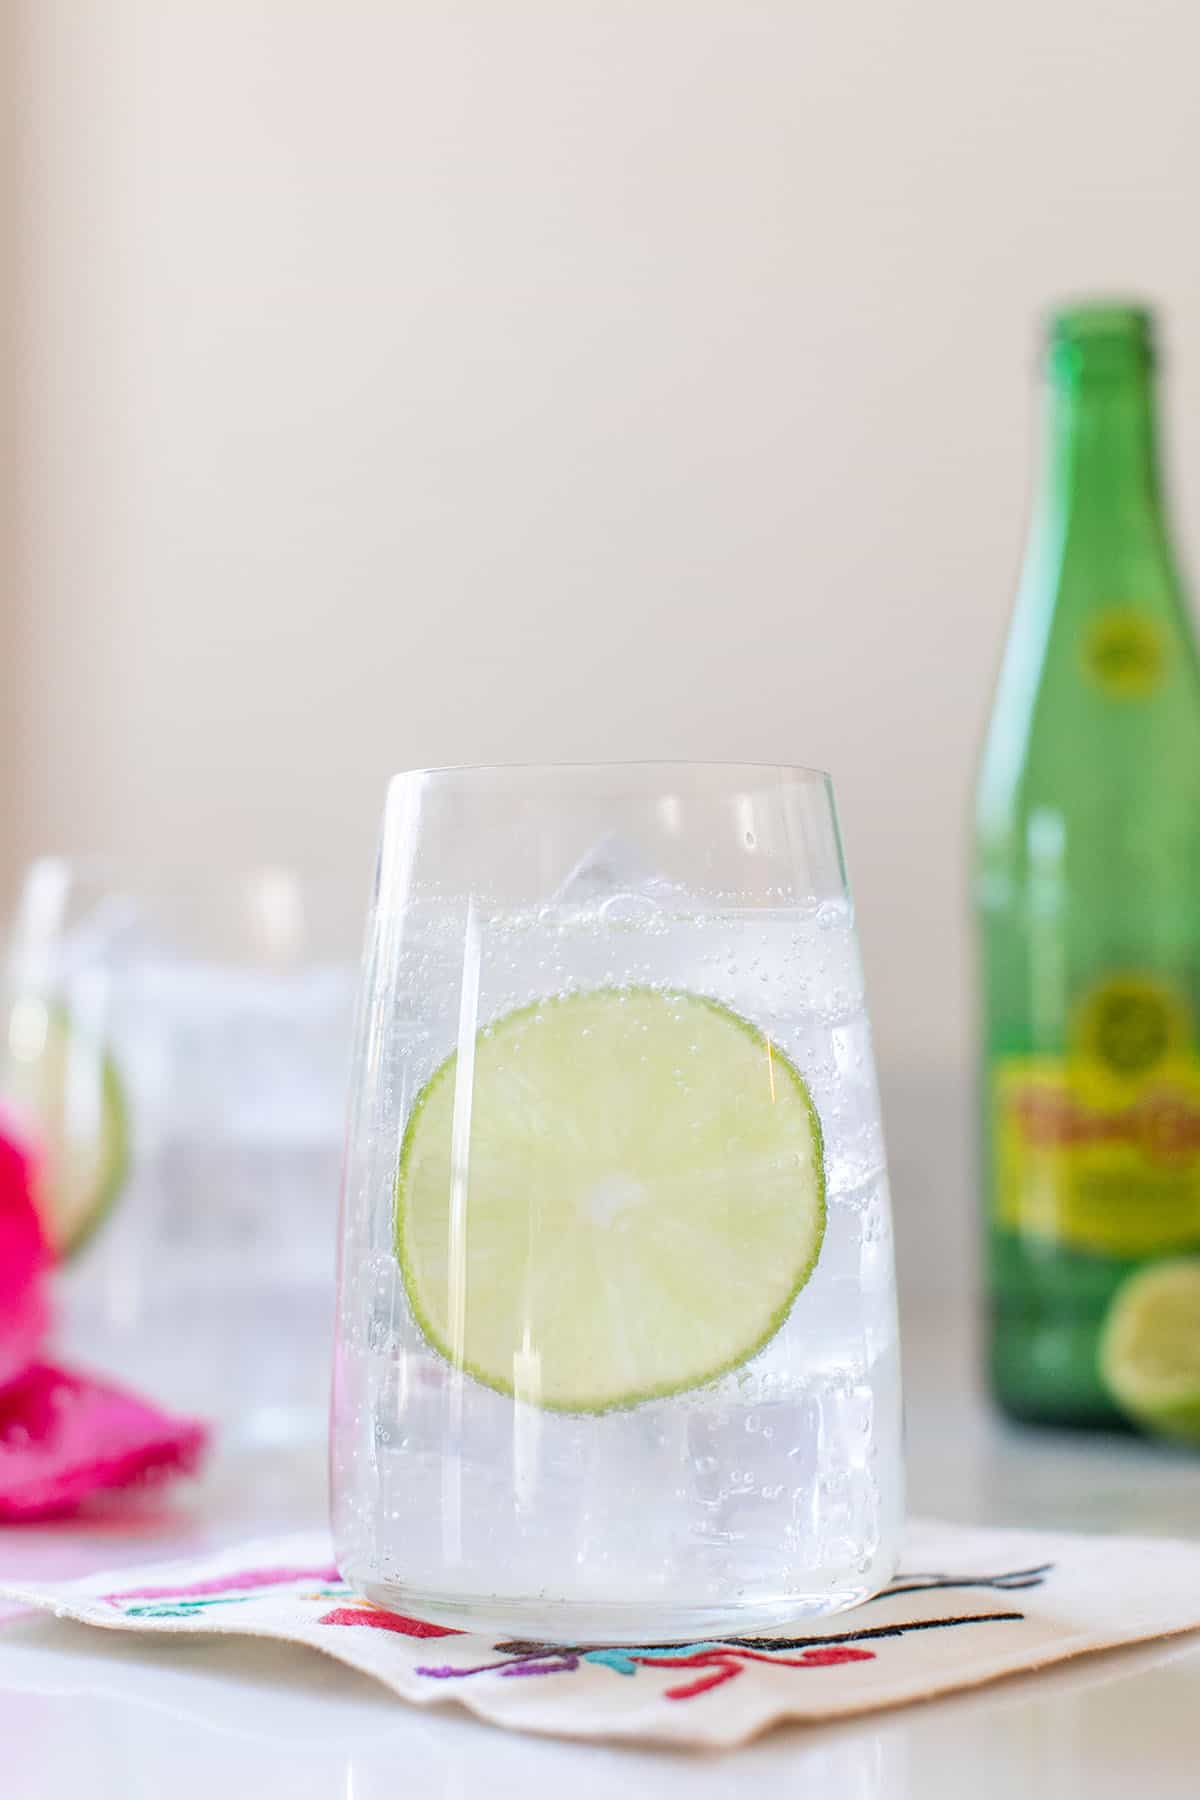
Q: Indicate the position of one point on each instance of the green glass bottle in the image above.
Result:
(1087, 891)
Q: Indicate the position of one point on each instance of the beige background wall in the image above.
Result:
(10, 431)
(447, 380)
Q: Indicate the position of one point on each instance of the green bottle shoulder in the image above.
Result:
(1097, 711)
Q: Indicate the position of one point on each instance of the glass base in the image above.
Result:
(545, 1621)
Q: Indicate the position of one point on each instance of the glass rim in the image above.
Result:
(796, 772)
(199, 905)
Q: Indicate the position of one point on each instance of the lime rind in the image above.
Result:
(115, 1173)
(603, 1399)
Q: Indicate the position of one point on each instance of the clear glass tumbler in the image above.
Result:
(617, 1348)
(175, 1049)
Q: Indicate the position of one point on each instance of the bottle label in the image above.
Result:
(1100, 1149)
(1124, 653)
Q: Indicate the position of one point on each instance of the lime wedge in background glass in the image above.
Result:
(639, 1203)
(66, 1093)
(1150, 1351)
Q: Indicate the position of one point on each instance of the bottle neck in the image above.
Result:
(1102, 466)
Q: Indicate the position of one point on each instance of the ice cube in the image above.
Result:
(612, 869)
(45, 958)
(251, 1053)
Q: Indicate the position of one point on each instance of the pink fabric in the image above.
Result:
(65, 1437)
(24, 1315)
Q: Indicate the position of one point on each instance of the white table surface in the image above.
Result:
(102, 1715)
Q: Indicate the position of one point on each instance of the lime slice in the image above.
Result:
(638, 1203)
(1150, 1350)
(66, 1092)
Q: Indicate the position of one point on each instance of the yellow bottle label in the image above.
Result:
(1124, 653)
(1100, 1149)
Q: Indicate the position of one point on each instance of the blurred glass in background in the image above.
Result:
(174, 1051)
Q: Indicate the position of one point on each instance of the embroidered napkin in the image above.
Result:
(967, 1607)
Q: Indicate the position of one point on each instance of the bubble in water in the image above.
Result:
(629, 909)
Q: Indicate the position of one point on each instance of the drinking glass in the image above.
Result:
(175, 1051)
(616, 1352)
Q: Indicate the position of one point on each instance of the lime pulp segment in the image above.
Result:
(614, 1195)
(66, 1089)
(1150, 1350)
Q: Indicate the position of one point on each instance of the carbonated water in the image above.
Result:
(768, 1494)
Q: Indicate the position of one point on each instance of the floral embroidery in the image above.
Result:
(1003, 1584)
(710, 1663)
(386, 1621)
(719, 1660)
(226, 1584)
(723, 1663)
(184, 1602)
